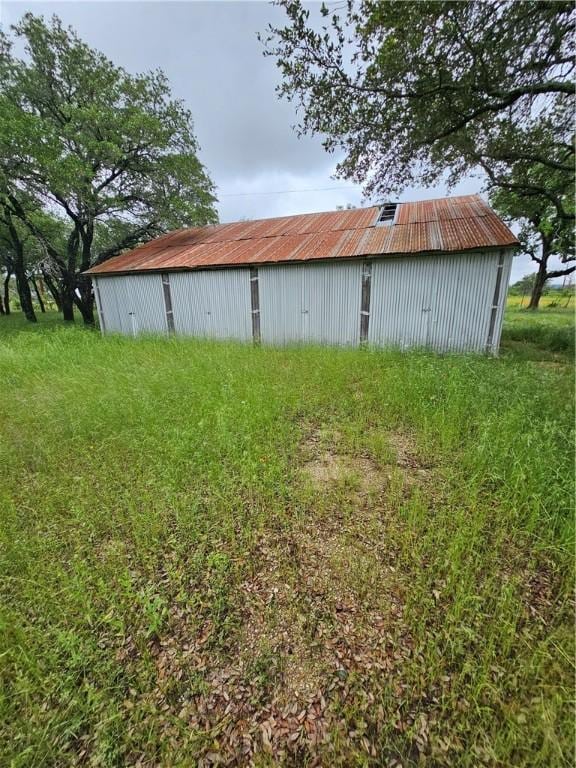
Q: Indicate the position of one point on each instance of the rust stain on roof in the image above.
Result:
(448, 224)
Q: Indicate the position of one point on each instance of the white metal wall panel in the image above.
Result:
(213, 303)
(443, 302)
(146, 298)
(109, 303)
(317, 303)
(132, 304)
(334, 295)
(461, 309)
(125, 307)
(282, 303)
(401, 290)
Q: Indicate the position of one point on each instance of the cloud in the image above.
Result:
(214, 62)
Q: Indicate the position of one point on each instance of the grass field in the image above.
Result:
(545, 334)
(213, 554)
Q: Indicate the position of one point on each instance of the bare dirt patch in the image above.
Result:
(406, 456)
(330, 468)
(325, 466)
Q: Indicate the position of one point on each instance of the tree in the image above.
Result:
(544, 232)
(103, 150)
(524, 285)
(23, 255)
(6, 270)
(422, 92)
(13, 236)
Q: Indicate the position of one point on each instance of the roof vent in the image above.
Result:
(387, 214)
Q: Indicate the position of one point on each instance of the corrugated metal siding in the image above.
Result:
(132, 304)
(441, 302)
(108, 305)
(399, 293)
(317, 303)
(212, 303)
(282, 304)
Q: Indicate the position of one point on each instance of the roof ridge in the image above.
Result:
(332, 212)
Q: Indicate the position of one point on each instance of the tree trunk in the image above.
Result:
(539, 283)
(53, 290)
(38, 294)
(18, 266)
(2, 307)
(84, 283)
(67, 297)
(23, 288)
(7, 293)
(87, 311)
(85, 302)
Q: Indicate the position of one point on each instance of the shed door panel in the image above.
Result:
(401, 302)
(333, 294)
(133, 304)
(442, 302)
(319, 303)
(144, 298)
(213, 303)
(108, 304)
(124, 300)
(283, 304)
(462, 305)
(114, 302)
(190, 303)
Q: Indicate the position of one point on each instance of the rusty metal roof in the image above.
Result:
(447, 225)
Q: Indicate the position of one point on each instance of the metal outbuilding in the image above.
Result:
(432, 273)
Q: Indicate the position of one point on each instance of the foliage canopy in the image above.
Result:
(417, 93)
(411, 91)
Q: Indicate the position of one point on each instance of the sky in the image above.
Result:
(213, 59)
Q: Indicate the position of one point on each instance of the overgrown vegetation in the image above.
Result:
(216, 554)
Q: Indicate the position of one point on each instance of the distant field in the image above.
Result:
(561, 302)
(214, 554)
(547, 333)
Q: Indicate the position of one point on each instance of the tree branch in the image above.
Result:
(130, 241)
(560, 272)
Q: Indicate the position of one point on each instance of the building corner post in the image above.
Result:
(168, 303)
(365, 300)
(255, 305)
(99, 306)
(490, 347)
